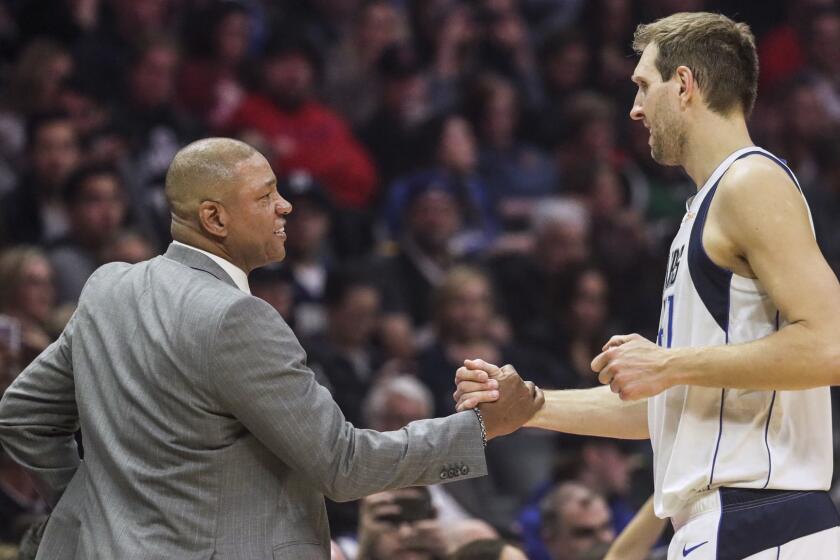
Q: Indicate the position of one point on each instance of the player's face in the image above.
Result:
(656, 105)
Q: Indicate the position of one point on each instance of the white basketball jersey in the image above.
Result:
(705, 438)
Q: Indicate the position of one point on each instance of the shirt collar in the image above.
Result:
(236, 274)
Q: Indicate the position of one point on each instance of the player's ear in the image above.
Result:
(687, 84)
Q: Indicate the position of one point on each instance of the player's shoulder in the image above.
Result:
(755, 178)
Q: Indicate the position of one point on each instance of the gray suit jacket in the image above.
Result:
(205, 434)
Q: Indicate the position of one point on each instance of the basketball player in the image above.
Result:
(732, 394)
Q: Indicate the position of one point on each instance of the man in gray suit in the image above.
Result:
(206, 435)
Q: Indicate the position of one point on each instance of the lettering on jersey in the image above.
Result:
(674, 267)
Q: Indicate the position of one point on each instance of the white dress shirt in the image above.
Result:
(237, 274)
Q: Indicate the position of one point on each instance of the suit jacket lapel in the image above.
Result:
(198, 261)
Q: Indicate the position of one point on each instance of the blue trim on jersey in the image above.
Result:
(720, 435)
(752, 521)
(710, 280)
(766, 443)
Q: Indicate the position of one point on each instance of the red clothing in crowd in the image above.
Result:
(313, 138)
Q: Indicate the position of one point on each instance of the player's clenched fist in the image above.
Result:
(633, 367)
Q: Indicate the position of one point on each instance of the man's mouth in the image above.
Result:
(280, 232)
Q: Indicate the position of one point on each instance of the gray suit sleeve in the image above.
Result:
(39, 417)
(261, 377)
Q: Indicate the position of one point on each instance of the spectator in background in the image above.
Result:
(432, 219)
(487, 549)
(274, 285)
(153, 125)
(28, 296)
(394, 402)
(467, 327)
(575, 521)
(824, 200)
(308, 256)
(34, 87)
(541, 278)
(351, 79)
(211, 82)
(396, 132)
(400, 524)
(34, 213)
(345, 354)
(582, 326)
(96, 207)
(621, 245)
(823, 44)
(105, 52)
(456, 164)
(127, 246)
(505, 47)
(298, 132)
(20, 502)
(565, 60)
(516, 173)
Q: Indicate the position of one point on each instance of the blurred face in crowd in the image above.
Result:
(825, 42)
(610, 467)
(656, 105)
(399, 411)
(55, 152)
(406, 98)
(589, 306)
(433, 219)
(561, 246)
(501, 116)
(808, 119)
(129, 248)
(355, 319)
(152, 79)
(379, 26)
(566, 69)
(145, 16)
(468, 310)
(307, 229)
(99, 209)
(584, 523)
(289, 79)
(401, 538)
(35, 294)
(232, 37)
(457, 145)
(606, 198)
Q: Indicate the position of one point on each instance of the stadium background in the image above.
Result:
(465, 176)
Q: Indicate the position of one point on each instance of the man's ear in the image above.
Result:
(688, 85)
(213, 218)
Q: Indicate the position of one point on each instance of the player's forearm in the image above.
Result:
(796, 357)
(592, 412)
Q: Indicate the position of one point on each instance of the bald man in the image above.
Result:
(205, 434)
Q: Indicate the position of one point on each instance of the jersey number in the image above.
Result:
(666, 332)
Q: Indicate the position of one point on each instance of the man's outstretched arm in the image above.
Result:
(592, 412)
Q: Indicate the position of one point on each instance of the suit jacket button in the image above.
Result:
(465, 470)
(443, 475)
(453, 472)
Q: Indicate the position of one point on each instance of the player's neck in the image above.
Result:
(710, 144)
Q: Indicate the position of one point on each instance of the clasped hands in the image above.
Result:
(631, 365)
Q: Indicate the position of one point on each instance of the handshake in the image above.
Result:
(506, 401)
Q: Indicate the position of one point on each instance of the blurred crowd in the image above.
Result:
(466, 183)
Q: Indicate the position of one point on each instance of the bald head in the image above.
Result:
(203, 170)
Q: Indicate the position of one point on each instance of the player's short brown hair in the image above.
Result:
(720, 53)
